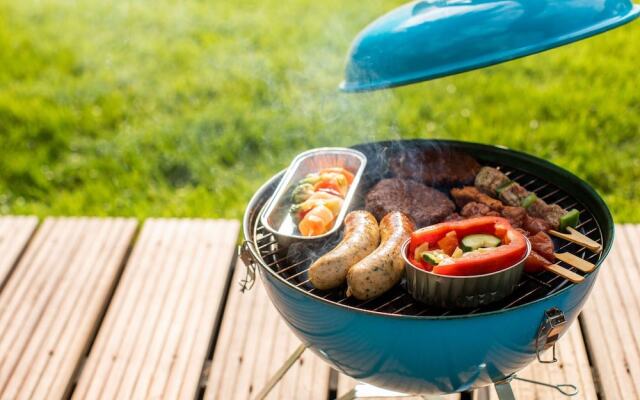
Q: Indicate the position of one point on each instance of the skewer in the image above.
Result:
(564, 273)
(577, 237)
(575, 261)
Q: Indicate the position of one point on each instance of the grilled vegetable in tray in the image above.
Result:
(474, 246)
(317, 199)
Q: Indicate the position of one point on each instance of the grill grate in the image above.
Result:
(293, 267)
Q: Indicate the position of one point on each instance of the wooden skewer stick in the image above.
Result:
(578, 238)
(564, 273)
(575, 261)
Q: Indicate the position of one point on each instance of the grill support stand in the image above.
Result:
(363, 391)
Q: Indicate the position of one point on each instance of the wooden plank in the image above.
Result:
(345, 384)
(156, 333)
(51, 304)
(253, 342)
(15, 232)
(572, 368)
(612, 318)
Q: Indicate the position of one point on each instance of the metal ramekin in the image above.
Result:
(461, 291)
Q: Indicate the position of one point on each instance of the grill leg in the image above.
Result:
(504, 390)
(280, 372)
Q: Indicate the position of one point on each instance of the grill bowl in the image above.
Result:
(431, 352)
(461, 291)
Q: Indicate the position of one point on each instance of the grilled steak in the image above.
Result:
(435, 166)
(425, 205)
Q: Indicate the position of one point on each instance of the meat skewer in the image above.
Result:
(496, 184)
(542, 256)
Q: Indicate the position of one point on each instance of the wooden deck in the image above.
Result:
(94, 308)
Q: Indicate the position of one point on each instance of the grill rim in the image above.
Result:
(249, 230)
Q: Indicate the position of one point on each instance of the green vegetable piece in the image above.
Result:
(570, 219)
(474, 242)
(430, 258)
(301, 193)
(312, 179)
(529, 200)
(503, 186)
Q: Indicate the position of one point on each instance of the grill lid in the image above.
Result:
(427, 39)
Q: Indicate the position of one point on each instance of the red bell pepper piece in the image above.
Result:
(449, 243)
(512, 249)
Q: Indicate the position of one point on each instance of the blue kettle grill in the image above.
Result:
(383, 342)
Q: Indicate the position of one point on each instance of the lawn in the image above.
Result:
(163, 108)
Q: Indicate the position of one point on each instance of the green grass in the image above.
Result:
(162, 108)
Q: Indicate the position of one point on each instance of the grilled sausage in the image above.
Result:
(361, 237)
(382, 269)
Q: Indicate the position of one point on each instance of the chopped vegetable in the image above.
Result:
(529, 200)
(317, 199)
(474, 242)
(449, 243)
(311, 178)
(339, 170)
(424, 247)
(332, 202)
(496, 245)
(301, 193)
(316, 222)
(570, 219)
(432, 258)
(457, 253)
(503, 186)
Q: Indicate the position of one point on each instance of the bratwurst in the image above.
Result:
(382, 269)
(361, 237)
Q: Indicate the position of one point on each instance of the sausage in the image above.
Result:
(382, 269)
(361, 237)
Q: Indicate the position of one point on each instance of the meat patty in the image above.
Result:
(425, 205)
(435, 166)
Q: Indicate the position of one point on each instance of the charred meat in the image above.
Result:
(542, 244)
(513, 194)
(515, 215)
(468, 194)
(425, 205)
(474, 209)
(550, 213)
(489, 180)
(435, 166)
(494, 183)
(534, 225)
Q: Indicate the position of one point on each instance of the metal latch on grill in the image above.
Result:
(549, 332)
(250, 266)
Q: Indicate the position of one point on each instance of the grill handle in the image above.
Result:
(549, 332)
(250, 265)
